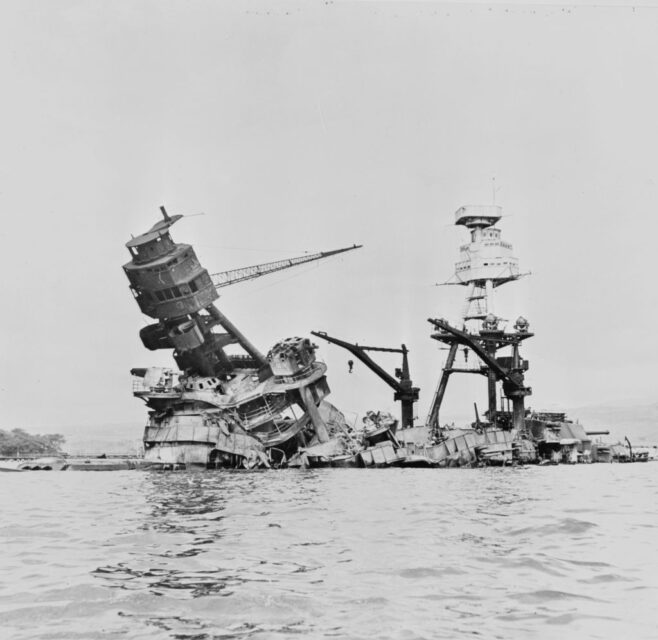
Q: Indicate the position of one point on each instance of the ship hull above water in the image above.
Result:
(468, 447)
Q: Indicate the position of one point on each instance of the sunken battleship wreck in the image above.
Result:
(222, 409)
(482, 344)
(500, 436)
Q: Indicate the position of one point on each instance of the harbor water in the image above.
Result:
(534, 552)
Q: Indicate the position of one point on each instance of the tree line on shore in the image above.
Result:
(17, 442)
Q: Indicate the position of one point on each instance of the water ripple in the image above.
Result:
(491, 553)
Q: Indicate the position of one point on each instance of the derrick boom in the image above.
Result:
(233, 276)
(405, 392)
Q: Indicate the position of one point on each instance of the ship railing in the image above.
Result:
(262, 412)
(266, 410)
(298, 375)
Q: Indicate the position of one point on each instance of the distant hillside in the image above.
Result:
(639, 422)
(97, 439)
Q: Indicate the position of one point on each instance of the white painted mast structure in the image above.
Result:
(485, 263)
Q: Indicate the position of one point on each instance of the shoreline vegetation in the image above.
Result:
(17, 443)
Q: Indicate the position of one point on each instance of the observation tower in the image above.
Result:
(485, 263)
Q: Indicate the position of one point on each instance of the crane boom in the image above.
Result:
(405, 392)
(233, 276)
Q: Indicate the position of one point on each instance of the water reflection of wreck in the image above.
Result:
(220, 408)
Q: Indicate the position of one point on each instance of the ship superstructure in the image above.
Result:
(485, 263)
(228, 404)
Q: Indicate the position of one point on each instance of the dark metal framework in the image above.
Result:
(485, 345)
(402, 384)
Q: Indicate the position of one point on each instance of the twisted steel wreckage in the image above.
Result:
(246, 410)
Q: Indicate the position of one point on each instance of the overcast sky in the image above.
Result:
(309, 126)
